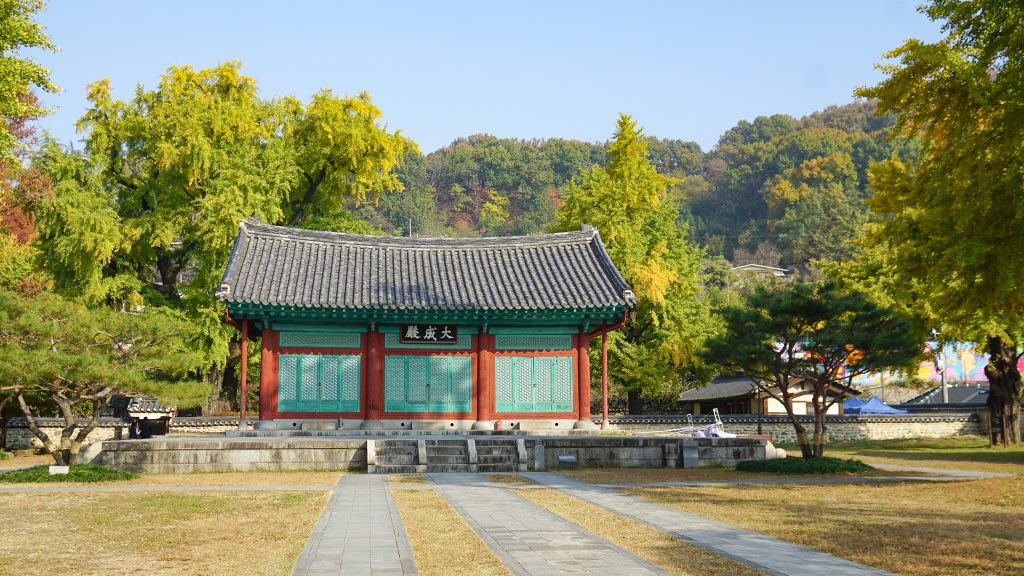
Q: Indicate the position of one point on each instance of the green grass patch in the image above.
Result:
(824, 465)
(4, 455)
(78, 473)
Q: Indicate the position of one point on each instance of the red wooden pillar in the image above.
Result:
(364, 370)
(583, 379)
(268, 374)
(485, 382)
(374, 381)
(604, 379)
(244, 377)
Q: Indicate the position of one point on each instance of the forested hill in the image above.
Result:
(777, 190)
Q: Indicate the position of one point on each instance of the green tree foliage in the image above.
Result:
(788, 335)
(446, 191)
(19, 75)
(78, 357)
(953, 226)
(152, 205)
(800, 184)
(629, 203)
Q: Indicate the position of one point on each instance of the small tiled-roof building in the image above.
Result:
(386, 331)
(737, 395)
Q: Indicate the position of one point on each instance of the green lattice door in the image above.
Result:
(533, 383)
(428, 383)
(317, 383)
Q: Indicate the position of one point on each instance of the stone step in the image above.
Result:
(488, 459)
(445, 444)
(496, 450)
(448, 468)
(481, 467)
(400, 458)
(396, 469)
(385, 449)
(447, 459)
(496, 443)
(453, 450)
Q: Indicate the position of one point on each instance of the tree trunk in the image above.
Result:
(1005, 392)
(215, 377)
(3, 422)
(635, 402)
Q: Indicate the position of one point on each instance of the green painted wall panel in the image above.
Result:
(533, 342)
(428, 383)
(320, 339)
(318, 383)
(533, 383)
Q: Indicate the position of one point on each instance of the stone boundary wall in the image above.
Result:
(19, 437)
(839, 428)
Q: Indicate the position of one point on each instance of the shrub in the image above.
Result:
(78, 473)
(824, 465)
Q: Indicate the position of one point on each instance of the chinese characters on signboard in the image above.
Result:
(429, 334)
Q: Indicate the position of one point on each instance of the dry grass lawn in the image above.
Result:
(416, 479)
(28, 460)
(160, 533)
(512, 479)
(925, 529)
(956, 452)
(646, 475)
(442, 543)
(670, 553)
(300, 478)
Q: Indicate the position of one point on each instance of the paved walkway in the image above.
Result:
(943, 473)
(756, 550)
(528, 539)
(358, 533)
(87, 488)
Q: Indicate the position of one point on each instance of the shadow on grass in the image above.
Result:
(919, 529)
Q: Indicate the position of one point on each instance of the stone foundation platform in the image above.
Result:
(272, 453)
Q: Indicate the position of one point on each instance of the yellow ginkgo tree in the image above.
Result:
(629, 204)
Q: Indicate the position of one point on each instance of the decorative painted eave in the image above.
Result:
(274, 270)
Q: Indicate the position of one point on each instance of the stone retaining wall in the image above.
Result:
(839, 428)
(185, 455)
(651, 452)
(182, 456)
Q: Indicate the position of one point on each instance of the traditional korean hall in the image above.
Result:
(380, 332)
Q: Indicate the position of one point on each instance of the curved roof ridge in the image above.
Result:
(275, 265)
(584, 235)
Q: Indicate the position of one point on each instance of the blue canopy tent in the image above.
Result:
(850, 405)
(873, 406)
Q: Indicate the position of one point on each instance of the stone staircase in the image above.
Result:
(448, 456)
(497, 456)
(393, 457)
(406, 456)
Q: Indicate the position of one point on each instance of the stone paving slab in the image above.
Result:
(358, 533)
(755, 550)
(528, 539)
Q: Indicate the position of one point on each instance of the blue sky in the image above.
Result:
(440, 70)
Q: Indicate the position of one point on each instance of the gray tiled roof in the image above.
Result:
(142, 404)
(719, 388)
(277, 266)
